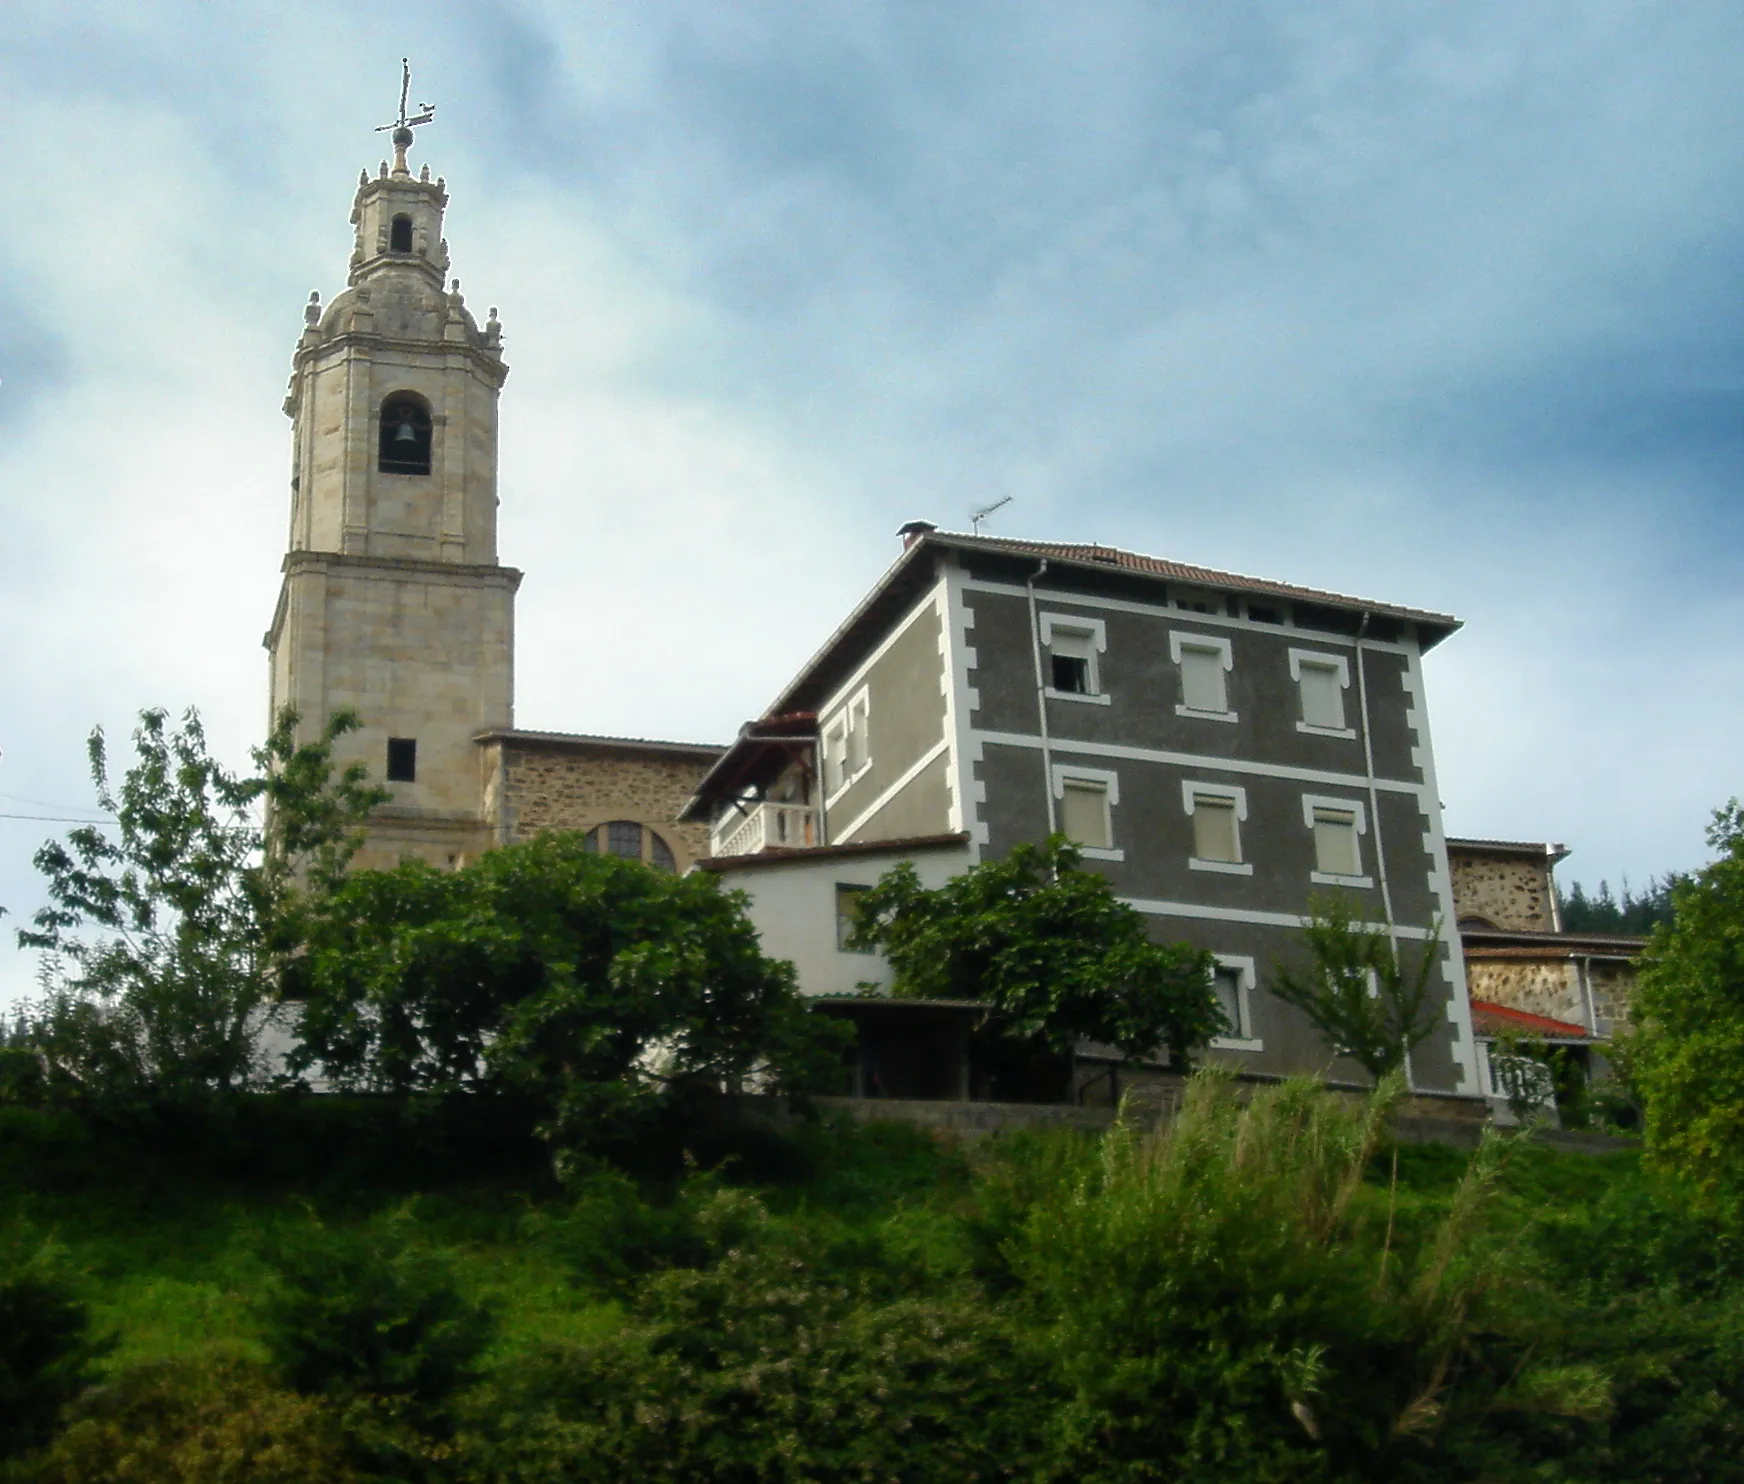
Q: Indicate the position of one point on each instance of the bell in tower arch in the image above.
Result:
(405, 435)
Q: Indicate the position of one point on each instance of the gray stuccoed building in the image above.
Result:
(1222, 747)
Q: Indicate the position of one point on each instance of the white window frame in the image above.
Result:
(1183, 639)
(1094, 633)
(1317, 659)
(1233, 793)
(1246, 982)
(1111, 786)
(842, 724)
(1353, 807)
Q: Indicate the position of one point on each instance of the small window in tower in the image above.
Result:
(405, 436)
(400, 237)
(402, 759)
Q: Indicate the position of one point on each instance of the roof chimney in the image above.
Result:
(912, 531)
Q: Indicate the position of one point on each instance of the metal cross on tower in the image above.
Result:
(403, 126)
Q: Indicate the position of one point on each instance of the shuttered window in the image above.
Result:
(1322, 697)
(1214, 834)
(1227, 983)
(1335, 848)
(1202, 687)
(1084, 814)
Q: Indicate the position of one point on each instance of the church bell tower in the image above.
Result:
(392, 601)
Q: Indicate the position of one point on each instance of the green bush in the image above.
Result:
(46, 1350)
(186, 1424)
(788, 1357)
(609, 1234)
(367, 1314)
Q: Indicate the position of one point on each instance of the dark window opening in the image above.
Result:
(1260, 614)
(405, 437)
(660, 854)
(624, 839)
(1326, 620)
(400, 236)
(1071, 674)
(402, 759)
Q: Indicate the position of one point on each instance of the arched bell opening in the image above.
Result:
(405, 435)
(400, 234)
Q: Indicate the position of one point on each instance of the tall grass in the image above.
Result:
(1231, 1292)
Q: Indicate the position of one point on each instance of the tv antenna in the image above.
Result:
(979, 514)
(403, 125)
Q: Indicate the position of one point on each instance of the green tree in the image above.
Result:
(1685, 1054)
(1372, 1003)
(165, 938)
(590, 982)
(1050, 946)
(1632, 912)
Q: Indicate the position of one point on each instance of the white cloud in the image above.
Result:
(1433, 304)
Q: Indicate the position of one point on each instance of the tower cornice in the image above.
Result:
(494, 368)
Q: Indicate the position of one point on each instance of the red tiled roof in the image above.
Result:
(1489, 1019)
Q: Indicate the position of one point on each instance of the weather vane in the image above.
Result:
(403, 126)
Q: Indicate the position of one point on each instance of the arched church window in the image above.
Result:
(630, 841)
(400, 234)
(405, 436)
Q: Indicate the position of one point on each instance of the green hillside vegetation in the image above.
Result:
(568, 1209)
(372, 1288)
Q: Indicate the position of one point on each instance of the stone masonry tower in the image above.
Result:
(392, 602)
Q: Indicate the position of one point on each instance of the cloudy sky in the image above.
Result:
(1434, 303)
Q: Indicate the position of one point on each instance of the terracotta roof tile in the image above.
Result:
(1489, 1019)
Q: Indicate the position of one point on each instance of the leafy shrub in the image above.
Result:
(45, 1350)
(195, 1425)
(786, 1358)
(609, 1235)
(366, 1314)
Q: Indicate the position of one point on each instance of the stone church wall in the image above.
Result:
(557, 787)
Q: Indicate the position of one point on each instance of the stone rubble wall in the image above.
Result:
(1613, 989)
(1513, 894)
(1542, 987)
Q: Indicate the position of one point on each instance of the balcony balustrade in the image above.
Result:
(767, 826)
